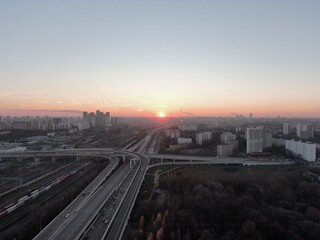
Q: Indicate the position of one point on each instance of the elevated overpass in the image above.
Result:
(75, 220)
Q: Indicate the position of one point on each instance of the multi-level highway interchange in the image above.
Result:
(102, 210)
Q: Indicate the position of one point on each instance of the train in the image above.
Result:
(34, 194)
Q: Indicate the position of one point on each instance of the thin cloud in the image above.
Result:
(49, 110)
(7, 94)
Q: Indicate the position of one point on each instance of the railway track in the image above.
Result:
(16, 216)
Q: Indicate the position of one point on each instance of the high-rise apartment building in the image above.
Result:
(254, 140)
(287, 128)
(267, 140)
(305, 131)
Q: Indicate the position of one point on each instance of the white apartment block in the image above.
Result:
(307, 151)
(203, 137)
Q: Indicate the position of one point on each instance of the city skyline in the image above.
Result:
(153, 58)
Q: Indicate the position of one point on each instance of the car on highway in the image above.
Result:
(67, 215)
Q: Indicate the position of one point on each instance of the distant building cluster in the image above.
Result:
(90, 120)
(38, 123)
(188, 127)
(97, 120)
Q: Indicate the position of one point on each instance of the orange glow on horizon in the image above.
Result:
(161, 115)
(31, 107)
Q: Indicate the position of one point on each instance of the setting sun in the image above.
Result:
(161, 114)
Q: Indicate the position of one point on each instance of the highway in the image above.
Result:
(75, 220)
(102, 222)
(61, 220)
(154, 143)
(142, 145)
(191, 158)
(119, 223)
(168, 159)
(82, 217)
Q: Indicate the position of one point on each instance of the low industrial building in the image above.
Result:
(305, 131)
(278, 142)
(226, 150)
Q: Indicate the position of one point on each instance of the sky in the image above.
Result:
(143, 58)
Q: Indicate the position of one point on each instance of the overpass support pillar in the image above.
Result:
(54, 159)
(77, 159)
(161, 160)
(123, 158)
(174, 160)
(36, 159)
